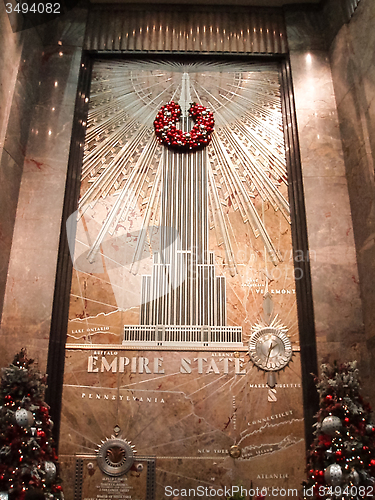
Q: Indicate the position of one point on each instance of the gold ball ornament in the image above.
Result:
(235, 451)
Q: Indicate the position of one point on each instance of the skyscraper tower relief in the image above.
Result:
(183, 301)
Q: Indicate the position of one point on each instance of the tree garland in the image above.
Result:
(169, 135)
(341, 460)
(28, 459)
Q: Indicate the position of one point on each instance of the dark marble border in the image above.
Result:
(60, 308)
(305, 311)
(59, 323)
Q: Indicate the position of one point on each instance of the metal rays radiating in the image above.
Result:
(246, 156)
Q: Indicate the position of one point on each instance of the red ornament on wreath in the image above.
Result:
(174, 138)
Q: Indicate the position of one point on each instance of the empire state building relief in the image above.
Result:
(183, 331)
(180, 244)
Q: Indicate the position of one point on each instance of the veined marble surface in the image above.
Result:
(353, 69)
(43, 151)
(336, 294)
(20, 60)
(10, 56)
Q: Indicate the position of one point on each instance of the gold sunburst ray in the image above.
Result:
(125, 160)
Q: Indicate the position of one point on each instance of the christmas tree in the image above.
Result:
(28, 461)
(341, 460)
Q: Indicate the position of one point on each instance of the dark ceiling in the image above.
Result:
(258, 3)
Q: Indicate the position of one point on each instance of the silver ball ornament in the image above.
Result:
(50, 472)
(4, 495)
(354, 477)
(24, 418)
(330, 425)
(24, 471)
(333, 475)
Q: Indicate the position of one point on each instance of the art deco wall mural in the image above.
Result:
(182, 357)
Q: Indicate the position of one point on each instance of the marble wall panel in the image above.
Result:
(31, 273)
(362, 36)
(333, 266)
(66, 30)
(335, 13)
(10, 178)
(25, 96)
(305, 28)
(336, 294)
(352, 60)
(10, 57)
(58, 83)
(19, 70)
(319, 133)
(10, 174)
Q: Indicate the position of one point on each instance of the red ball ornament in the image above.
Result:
(372, 463)
(40, 433)
(325, 440)
(346, 420)
(8, 400)
(329, 398)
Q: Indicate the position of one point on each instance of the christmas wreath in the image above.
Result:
(169, 135)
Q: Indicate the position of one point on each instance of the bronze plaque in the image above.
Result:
(93, 484)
